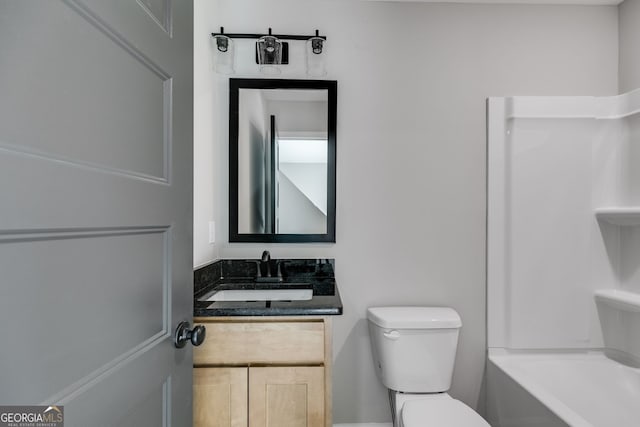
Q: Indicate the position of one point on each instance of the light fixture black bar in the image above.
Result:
(257, 36)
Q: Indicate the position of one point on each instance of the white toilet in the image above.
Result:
(414, 350)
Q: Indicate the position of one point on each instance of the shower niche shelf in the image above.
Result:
(622, 300)
(625, 216)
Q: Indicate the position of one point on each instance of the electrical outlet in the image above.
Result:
(212, 232)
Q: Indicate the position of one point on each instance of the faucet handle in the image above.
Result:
(258, 269)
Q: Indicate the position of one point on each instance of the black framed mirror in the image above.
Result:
(282, 160)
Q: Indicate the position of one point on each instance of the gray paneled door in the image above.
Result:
(96, 208)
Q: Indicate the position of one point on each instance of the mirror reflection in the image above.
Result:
(282, 161)
(285, 182)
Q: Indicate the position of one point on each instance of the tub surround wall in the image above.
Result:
(629, 30)
(548, 251)
(629, 270)
(413, 79)
(629, 13)
(563, 245)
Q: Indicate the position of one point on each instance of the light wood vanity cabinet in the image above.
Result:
(220, 397)
(263, 372)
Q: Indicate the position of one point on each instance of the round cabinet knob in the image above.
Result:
(184, 334)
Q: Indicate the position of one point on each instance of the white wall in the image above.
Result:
(298, 213)
(629, 13)
(412, 83)
(629, 18)
(300, 116)
(253, 134)
(311, 180)
(206, 165)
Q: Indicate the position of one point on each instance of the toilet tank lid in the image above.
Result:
(414, 317)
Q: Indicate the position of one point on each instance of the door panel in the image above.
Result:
(158, 10)
(286, 396)
(108, 311)
(96, 217)
(153, 403)
(101, 76)
(144, 396)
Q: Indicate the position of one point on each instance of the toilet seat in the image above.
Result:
(441, 413)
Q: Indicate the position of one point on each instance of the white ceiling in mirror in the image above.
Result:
(547, 2)
(299, 95)
(302, 151)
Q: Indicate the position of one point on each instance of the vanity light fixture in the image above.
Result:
(316, 54)
(224, 55)
(272, 50)
(269, 52)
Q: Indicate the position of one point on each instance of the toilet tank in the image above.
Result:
(414, 348)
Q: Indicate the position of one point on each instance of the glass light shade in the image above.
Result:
(223, 54)
(269, 50)
(316, 51)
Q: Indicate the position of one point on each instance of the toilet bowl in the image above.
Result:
(441, 411)
(414, 351)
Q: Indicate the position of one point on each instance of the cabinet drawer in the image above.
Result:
(241, 343)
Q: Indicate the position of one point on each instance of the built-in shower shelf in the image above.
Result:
(627, 216)
(623, 300)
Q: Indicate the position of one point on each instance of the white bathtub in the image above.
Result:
(577, 389)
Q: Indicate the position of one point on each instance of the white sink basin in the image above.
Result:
(262, 295)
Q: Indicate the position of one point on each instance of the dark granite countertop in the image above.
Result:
(315, 274)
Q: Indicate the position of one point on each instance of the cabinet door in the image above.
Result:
(286, 396)
(220, 397)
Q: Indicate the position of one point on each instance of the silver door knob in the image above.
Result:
(184, 333)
